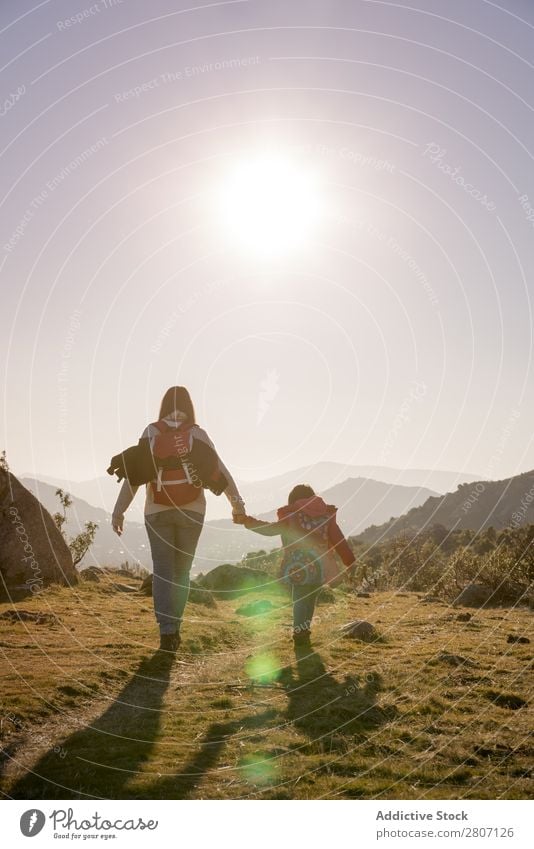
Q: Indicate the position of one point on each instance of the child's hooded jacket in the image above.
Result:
(308, 524)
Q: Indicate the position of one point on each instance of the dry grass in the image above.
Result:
(89, 710)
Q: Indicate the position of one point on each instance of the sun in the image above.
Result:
(268, 206)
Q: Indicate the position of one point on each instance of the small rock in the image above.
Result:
(91, 575)
(146, 586)
(198, 595)
(510, 701)
(326, 596)
(360, 630)
(124, 588)
(29, 616)
(455, 659)
(363, 595)
(432, 598)
(464, 617)
(517, 638)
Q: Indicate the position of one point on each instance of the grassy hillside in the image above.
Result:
(498, 504)
(437, 708)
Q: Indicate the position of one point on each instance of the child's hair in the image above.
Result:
(301, 490)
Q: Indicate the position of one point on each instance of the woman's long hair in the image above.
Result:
(177, 398)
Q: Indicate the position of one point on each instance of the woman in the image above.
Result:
(173, 532)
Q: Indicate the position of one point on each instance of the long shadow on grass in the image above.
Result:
(333, 715)
(210, 749)
(328, 711)
(100, 759)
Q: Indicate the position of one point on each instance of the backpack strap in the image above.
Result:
(161, 425)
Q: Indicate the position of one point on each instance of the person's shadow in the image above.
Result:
(331, 713)
(333, 716)
(99, 760)
(210, 750)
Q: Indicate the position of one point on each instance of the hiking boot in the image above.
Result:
(169, 642)
(302, 638)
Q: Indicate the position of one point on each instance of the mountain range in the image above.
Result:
(361, 502)
(475, 506)
(263, 495)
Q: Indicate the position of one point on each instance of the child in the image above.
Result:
(311, 538)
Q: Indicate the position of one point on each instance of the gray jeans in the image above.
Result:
(304, 601)
(173, 535)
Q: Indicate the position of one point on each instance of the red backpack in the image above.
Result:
(175, 484)
(308, 556)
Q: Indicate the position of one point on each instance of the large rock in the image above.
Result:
(228, 578)
(33, 552)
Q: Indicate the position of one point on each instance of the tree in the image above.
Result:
(80, 544)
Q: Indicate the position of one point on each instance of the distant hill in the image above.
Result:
(475, 506)
(108, 549)
(361, 502)
(262, 495)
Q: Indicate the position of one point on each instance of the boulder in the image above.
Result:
(33, 553)
(474, 595)
(360, 630)
(517, 638)
(229, 578)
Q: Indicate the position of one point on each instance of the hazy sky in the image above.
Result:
(397, 330)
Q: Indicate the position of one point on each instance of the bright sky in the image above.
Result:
(319, 216)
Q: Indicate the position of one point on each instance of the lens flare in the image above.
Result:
(263, 668)
(258, 769)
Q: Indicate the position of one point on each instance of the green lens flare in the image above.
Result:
(263, 668)
(258, 769)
